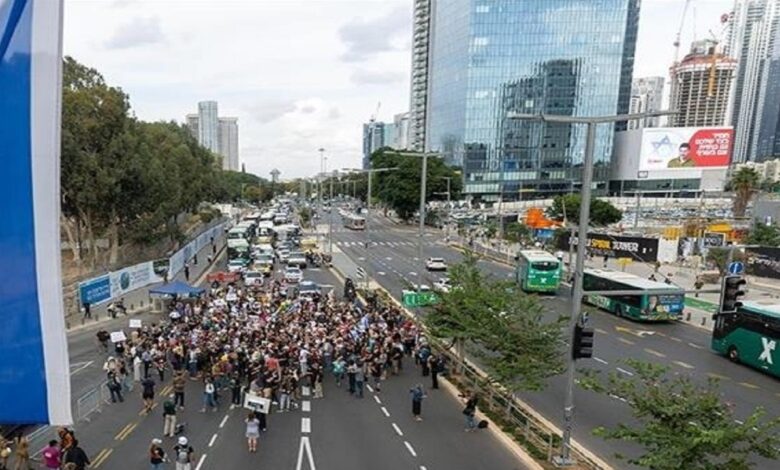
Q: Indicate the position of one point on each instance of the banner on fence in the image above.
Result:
(616, 246)
(96, 290)
(132, 278)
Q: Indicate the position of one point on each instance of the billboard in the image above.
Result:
(685, 147)
(615, 246)
(763, 261)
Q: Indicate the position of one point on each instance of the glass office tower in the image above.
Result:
(491, 58)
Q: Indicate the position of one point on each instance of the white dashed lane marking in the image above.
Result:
(398, 430)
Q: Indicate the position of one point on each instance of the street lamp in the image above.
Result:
(575, 320)
(423, 182)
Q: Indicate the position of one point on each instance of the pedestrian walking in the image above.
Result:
(470, 410)
(147, 394)
(377, 368)
(433, 365)
(156, 455)
(351, 371)
(235, 389)
(252, 431)
(76, 456)
(179, 381)
(187, 272)
(209, 399)
(52, 456)
(359, 379)
(114, 387)
(184, 454)
(87, 311)
(169, 418)
(137, 363)
(418, 395)
(338, 370)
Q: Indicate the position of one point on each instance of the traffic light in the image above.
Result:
(730, 293)
(582, 347)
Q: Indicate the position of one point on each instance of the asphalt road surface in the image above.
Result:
(336, 432)
(393, 261)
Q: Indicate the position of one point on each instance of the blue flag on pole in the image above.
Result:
(34, 375)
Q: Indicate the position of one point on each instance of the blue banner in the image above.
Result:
(95, 291)
(34, 372)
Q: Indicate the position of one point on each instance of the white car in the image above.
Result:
(436, 264)
(293, 274)
(253, 278)
(297, 258)
(283, 254)
(236, 266)
(443, 285)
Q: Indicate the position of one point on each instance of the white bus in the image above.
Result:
(354, 222)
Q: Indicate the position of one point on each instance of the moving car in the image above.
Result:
(293, 274)
(283, 254)
(443, 284)
(436, 264)
(253, 278)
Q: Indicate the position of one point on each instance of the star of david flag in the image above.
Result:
(34, 373)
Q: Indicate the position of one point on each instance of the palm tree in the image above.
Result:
(744, 183)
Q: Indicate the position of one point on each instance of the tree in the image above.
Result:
(764, 235)
(400, 189)
(516, 232)
(744, 183)
(567, 207)
(304, 213)
(501, 325)
(683, 424)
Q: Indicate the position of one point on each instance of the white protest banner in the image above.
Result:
(118, 336)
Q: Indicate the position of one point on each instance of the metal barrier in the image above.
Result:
(88, 403)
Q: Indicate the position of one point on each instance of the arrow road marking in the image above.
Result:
(305, 447)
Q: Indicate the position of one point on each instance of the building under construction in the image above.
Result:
(700, 86)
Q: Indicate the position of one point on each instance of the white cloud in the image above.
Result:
(138, 32)
(366, 38)
(377, 77)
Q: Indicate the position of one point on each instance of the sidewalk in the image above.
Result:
(138, 301)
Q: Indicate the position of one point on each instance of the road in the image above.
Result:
(338, 431)
(392, 261)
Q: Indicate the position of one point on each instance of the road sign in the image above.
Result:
(411, 298)
(361, 273)
(736, 267)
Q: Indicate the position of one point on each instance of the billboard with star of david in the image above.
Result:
(685, 147)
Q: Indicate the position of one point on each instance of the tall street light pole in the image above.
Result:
(565, 459)
(423, 183)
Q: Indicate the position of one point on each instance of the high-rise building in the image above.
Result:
(752, 41)
(418, 96)
(228, 142)
(647, 94)
(373, 140)
(208, 125)
(401, 139)
(768, 145)
(489, 60)
(193, 124)
(701, 83)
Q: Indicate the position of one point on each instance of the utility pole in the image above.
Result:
(319, 189)
(638, 209)
(330, 219)
(575, 320)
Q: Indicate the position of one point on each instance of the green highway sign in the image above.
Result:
(411, 298)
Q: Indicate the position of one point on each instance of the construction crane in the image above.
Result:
(679, 31)
(376, 112)
(724, 21)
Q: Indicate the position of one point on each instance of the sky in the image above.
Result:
(300, 75)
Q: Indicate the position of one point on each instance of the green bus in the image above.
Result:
(750, 335)
(538, 271)
(645, 305)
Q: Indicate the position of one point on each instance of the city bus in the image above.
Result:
(538, 271)
(645, 305)
(354, 222)
(750, 335)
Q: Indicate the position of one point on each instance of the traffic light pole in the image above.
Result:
(565, 459)
(576, 300)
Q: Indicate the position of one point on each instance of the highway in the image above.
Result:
(335, 432)
(392, 261)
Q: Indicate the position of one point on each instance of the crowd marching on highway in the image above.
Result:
(266, 341)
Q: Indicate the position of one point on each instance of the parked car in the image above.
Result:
(293, 274)
(237, 265)
(297, 258)
(436, 264)
(253, 278)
